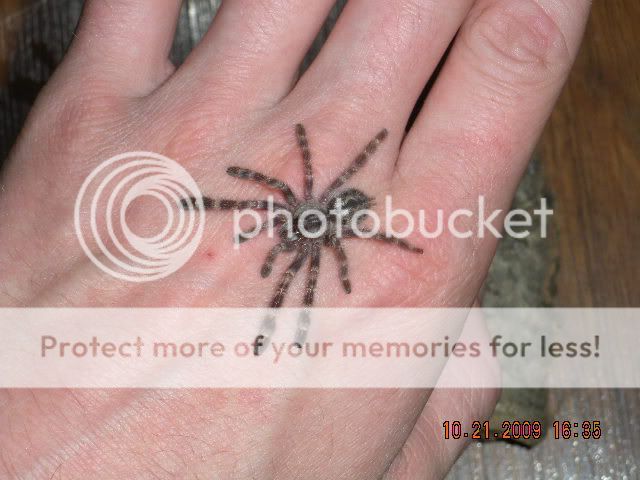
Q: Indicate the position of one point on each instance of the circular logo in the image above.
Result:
(100, 217)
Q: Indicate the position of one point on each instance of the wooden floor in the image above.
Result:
(590, 153)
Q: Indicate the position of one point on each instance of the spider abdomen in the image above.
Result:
(349, 203)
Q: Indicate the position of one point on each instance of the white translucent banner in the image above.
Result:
(319, 348)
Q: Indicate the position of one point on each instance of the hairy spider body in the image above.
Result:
(316, 222)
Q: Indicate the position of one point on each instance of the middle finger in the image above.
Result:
(378, 59)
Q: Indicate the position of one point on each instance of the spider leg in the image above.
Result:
(211, 204)
(341, 255)
(267, 328)
(383, 237)
(287, 278)
(312, 280)
(303, 143)
(244, 237)
(309, 294)
(260, 178)
(267, 267)
(269, 323)
(359, 162)
(224, 204)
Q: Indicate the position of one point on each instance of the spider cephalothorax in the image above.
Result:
(313, 222)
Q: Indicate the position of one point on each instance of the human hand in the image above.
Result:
(235, 102)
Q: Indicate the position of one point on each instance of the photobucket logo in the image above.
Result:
(101, 221)
(340, 221)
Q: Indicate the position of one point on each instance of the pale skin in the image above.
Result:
(235, 102)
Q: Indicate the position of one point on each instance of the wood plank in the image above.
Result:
(591, 156)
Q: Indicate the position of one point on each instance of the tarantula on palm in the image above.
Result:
(302, 234)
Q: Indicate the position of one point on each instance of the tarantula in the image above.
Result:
(306, 223)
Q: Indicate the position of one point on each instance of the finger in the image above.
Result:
(378, 59)
(487, 109)
(126, 43)
(254, 49)
(427, 453)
